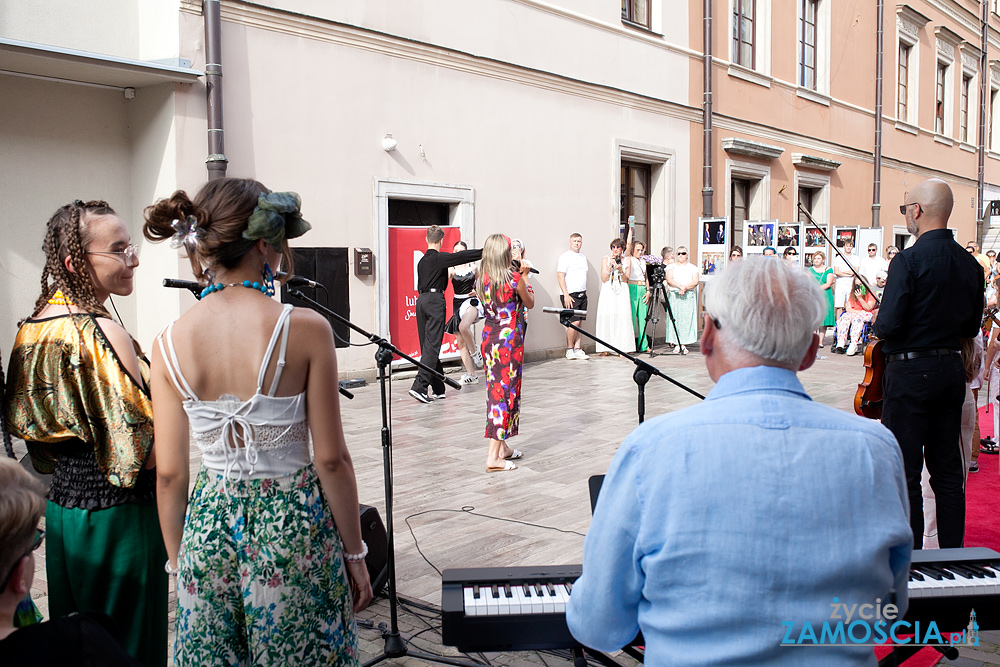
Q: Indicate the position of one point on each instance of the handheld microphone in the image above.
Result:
(517, 265)
(565, 312)
(296, 281)
(190, 285)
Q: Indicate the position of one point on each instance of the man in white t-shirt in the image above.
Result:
(844, 275)
(571, 272)
(872, 264)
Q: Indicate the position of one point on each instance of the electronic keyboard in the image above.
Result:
(524, 608)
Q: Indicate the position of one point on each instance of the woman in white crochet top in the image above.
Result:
(269, 559)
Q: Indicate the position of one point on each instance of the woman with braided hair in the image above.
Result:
(267, 550)
(77, 394)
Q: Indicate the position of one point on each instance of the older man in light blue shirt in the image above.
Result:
(731, 531)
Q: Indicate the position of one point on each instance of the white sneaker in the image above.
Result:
(437, 397)
(580, 354)
(570, 354)
(477, 359)
(852, 349)
(423, 398)
(469, 379)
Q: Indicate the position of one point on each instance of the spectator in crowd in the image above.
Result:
(860, 310)
(682, 278)
(614, 309)
(824, 275)
(76, 640)
(571, 273)
(845, 276)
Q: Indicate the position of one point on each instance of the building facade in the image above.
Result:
(795, 89)
(534, 118)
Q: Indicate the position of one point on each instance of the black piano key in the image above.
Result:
(928, 571)
(527, 590)
(916, 576)
(967, 572)
(986, 571)
(475, 591)
(538, 590)
(940, 569)
(551, 589)
(506, 590)
(496, 593)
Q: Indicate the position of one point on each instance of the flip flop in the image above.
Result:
(515, 454)
(507, 465)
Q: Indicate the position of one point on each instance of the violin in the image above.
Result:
(868, 399)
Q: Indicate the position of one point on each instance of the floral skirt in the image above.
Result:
(262, 578)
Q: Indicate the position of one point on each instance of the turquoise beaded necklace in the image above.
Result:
(263, 288)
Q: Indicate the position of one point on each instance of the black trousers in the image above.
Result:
(922, 406)
(430, 330)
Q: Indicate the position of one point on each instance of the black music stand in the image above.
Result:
(643, 370)
(395, 646)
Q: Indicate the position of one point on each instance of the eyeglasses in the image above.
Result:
(715, 320)
(903, 207)
(892, 253)
(682, 253)
(792, 254)
(127, 256)
(39, 536)
(872, 249)
(517, 245)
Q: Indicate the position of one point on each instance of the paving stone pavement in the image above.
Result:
(574, 415)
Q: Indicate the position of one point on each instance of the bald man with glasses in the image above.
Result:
(933, 298)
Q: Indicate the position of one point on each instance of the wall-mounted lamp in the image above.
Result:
(388, 143)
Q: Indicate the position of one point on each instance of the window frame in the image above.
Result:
(628, 13)
(739, 18)
(903, 81)
(940, 97)
(806, 64)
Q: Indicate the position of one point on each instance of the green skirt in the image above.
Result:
(637, 293)
(111, 561)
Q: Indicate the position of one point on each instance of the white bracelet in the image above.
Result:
(353, 558)
(172, 571)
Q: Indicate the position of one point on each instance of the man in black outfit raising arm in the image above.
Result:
(933, 298)
(432, 280)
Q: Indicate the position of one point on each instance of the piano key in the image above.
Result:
(492, 604)
(562, 598)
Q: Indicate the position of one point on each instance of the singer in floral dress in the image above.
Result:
(505, 295)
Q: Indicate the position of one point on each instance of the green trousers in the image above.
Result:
(111, 561)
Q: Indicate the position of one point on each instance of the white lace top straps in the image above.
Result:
(263, 436)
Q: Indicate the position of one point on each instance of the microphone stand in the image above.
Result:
(643, 370)
(395, 646)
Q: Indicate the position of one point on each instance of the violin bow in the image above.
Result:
(878, 302)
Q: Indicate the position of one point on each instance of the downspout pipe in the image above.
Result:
(216, 160)
(706, 184)
(984, 91)
(879, 74)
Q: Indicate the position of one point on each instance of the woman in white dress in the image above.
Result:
(682, 277)
(614, 307)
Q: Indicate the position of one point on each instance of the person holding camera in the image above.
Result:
(614, 306)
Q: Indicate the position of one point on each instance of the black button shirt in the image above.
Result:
(933, 296)
(432, 269)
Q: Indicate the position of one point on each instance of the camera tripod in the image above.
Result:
(659, 296)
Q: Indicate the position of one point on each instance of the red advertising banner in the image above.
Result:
(406, 247)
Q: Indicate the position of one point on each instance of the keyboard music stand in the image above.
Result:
(395, 646)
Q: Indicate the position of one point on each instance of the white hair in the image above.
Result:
(766, 308)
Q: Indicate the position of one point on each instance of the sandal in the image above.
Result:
(515, 454)
(507, 465)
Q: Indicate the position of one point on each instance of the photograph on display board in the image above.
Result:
(842, 234)
(712, 262)
(814, 237)
(788, 234)
(713, 232)
(758, 234)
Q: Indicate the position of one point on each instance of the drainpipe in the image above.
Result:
(984, 91)
(879, 69)
(216, 161)
(706, 183)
